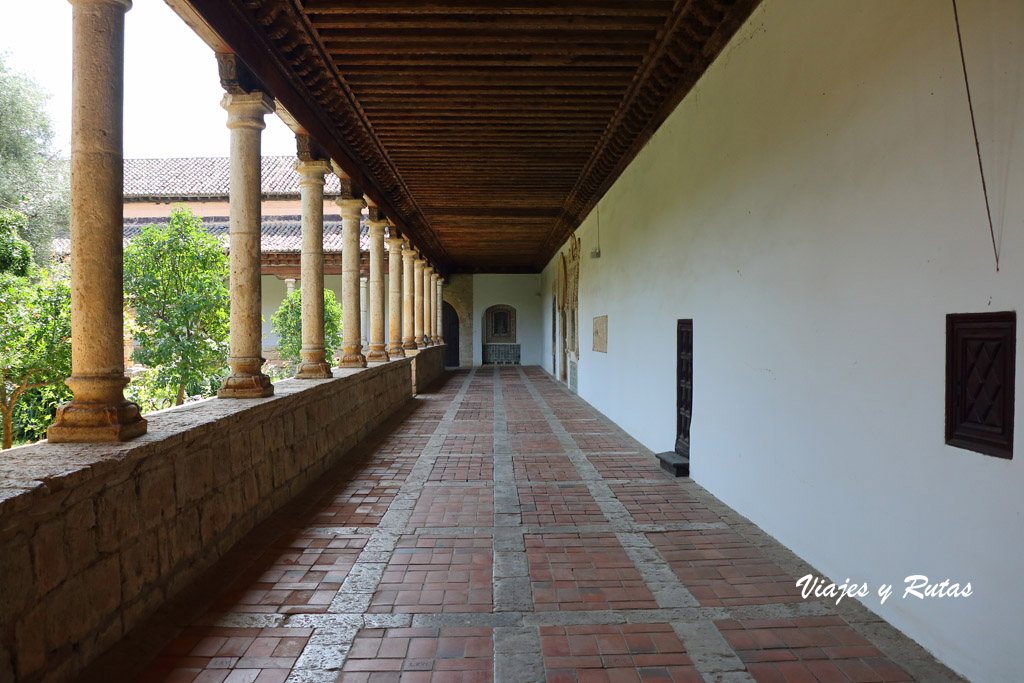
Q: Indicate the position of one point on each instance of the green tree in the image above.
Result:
(15, 253)
(35, 342)
(287, 325)
(175, 283)
(33, 179)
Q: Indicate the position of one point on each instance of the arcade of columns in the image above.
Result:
(98, 410)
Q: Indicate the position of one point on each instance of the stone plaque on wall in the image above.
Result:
(601, 333)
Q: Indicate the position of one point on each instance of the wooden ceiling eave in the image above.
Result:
(692, 43)
(226, 27)
(487, 130)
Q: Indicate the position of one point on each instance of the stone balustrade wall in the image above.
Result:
(428, 365)
(95, 537)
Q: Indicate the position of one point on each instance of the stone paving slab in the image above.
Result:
(504, 530)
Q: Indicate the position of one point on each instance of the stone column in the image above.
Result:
(245, 120)
(351, 346)
(311, 187)
(364, 310)
(428, 306)
(289, 285)
(395, 349)
(418, 302)
(408, 298)
(97, 411)
(434, 308)
(439, 329)
(378, 346)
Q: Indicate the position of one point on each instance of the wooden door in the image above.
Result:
(450, 332)
(684, 385)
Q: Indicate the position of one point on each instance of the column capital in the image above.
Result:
(126, 4)
(312, 170)
(395, 244)
(246, 110)
(376, 228)
(350, 208)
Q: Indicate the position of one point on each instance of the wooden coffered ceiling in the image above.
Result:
(487, 130)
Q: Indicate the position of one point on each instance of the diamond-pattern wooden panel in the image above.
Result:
(980, 381)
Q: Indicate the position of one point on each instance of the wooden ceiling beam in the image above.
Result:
(481, 35)
(475, 23)
(651, 8)
(348, 63)
(339, 48)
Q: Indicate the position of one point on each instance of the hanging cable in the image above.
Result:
(974, 127)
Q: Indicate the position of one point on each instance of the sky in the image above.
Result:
(172, 92)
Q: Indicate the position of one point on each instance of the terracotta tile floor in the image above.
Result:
(500, 529)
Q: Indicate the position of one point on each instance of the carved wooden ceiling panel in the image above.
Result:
(488, 130)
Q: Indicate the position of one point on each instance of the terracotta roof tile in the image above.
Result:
(279, 234)
(209, 177)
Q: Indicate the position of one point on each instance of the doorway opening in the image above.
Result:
(450, 332)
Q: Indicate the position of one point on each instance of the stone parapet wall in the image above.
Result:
(428, 365)
(95, 537)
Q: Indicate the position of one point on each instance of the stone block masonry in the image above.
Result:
(428, 365)
(95, 537)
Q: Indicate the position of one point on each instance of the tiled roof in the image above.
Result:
(279, 234)
(208, 177)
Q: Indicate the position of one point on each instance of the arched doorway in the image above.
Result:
(450, 332)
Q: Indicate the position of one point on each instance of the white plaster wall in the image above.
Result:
(815, 206)
(522, 292)
(273, 291)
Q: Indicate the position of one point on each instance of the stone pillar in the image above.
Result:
(439, 329)
(395, 349)
(433, 309)
(97, 411)
(378, 346)
(364, 310)
(351, 346)
(418, 302)
(245, 120)
(408, 298)
(428, 306)
(311, 187)
(289, 286)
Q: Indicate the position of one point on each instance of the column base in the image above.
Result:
(396, 351)
(409, 344)
(314, 371)
(96, 423)
(246, 386)
(352, 357)
(377, 354)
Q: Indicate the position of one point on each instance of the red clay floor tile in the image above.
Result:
(436, 574)
(558, 504)
(454, 506)
(583, 572)
(662, 502)
(633, 652)
(721, 568)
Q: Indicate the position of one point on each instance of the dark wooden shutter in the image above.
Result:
(684, 385)
(980, 349)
